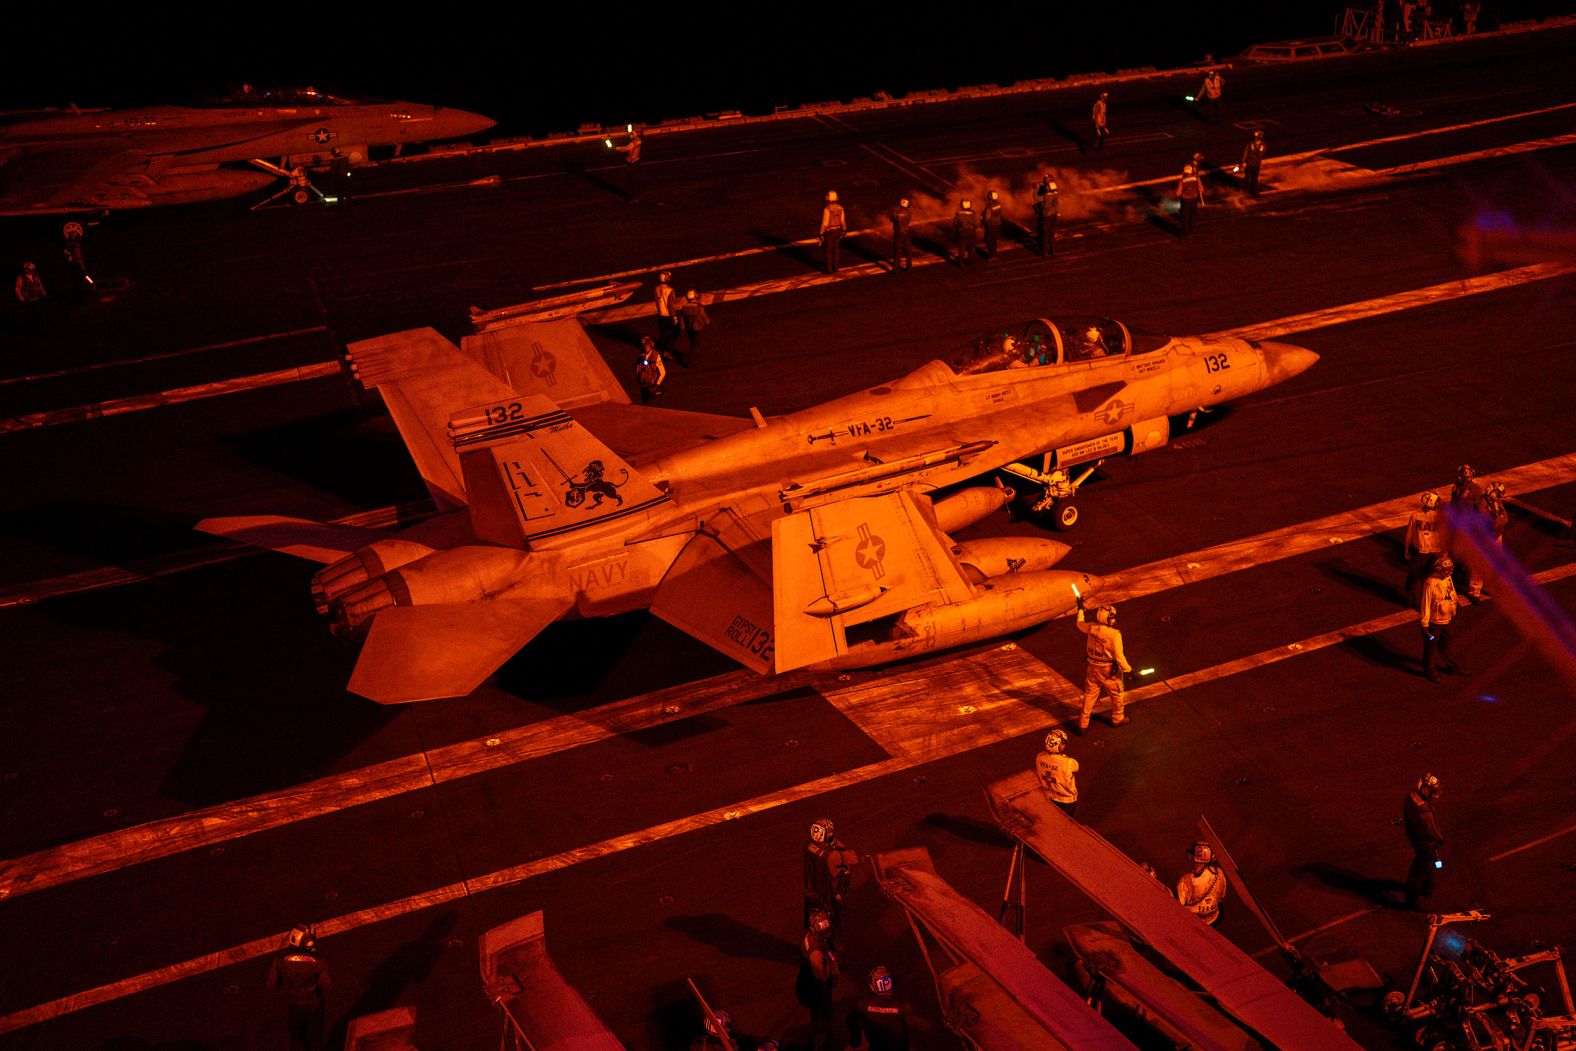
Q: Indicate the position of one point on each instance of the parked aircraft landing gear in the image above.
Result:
(1058, 487)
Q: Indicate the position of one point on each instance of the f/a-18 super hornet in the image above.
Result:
(816, 539)
(65, 161)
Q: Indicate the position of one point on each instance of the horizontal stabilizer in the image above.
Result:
(422, 653)
(314, 541)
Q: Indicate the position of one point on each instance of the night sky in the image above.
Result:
(537, 73)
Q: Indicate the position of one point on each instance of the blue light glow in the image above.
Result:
(1488, 698)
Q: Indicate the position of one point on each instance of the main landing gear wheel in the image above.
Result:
(1064, 515)
(301, 196)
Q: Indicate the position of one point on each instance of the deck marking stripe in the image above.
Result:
(1535, 843)
(124, 363)
(942, 746)
(201, 828)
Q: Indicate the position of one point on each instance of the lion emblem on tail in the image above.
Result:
(593, 483)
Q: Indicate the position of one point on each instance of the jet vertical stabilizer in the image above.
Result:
(533, 473)
(422, 378)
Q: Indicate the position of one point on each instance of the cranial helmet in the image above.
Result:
(1055, 741)
(1105, 615)
(1465, 473)
(1444, 564)
(822, 831)
(881, 981)
(302, 936)
(1428, 785)
(1430, 501)
(1201, 853)
(820, 921)
(831, 197)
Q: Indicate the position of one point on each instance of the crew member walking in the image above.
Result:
(1190, 194)
(1047, 204)
(818, 973)
(1252, 160)
(1058, 773)
(1097, 117)
(1106, 664)
(1202, 890)
(1435, 615)
(650, 372)
(1209, 96)
(1422, 831)
(667, 314)
(303, 977)
(694, 320)
(966, 228)
(1425, 542)
(833, 226)
(990, 219)
(902, 241)
(879, 1021)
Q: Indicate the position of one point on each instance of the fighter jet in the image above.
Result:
(820, 539)
(54, 162)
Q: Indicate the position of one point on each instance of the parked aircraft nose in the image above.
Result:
(1282, 361)
(458, 123)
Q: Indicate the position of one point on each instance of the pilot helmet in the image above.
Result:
(822, 831)
(881, 981)
(1430, 500)
(1056, 741)
(1200, 853)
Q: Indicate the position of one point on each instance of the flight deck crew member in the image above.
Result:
(631, 152)
(833, 226)
(1202, 890)
(1105, 664)
(1435, 614)
(828, 867)
(1425, 542)
(1097, 117)
(1252, 160)
(818, 973)
(716, 1033)
(1047, 204)
(1190, 194)
(990, 219)
(1467, 493)
(879, 1021)
(1494, 507)
(1209, 95)
(1058, 773)
(667, 314)
(966, 228)
(650, 372)
(302, 976)
(1422, 831)
(81, 280)
(29, 286)
(902, 240)
(694, 320)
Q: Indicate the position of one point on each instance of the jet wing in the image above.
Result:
(40, 181)
(421, 653)
(314, 541)
(1242, 988)
(850, 562)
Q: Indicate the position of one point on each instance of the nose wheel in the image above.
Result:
(1058, 489)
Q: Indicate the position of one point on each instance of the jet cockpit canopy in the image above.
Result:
(1051, 341)
(274, 95)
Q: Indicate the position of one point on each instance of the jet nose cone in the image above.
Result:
(457, 123)
(1282, 361)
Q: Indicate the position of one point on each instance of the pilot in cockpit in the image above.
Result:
(1013, 354)
(1089, 345)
